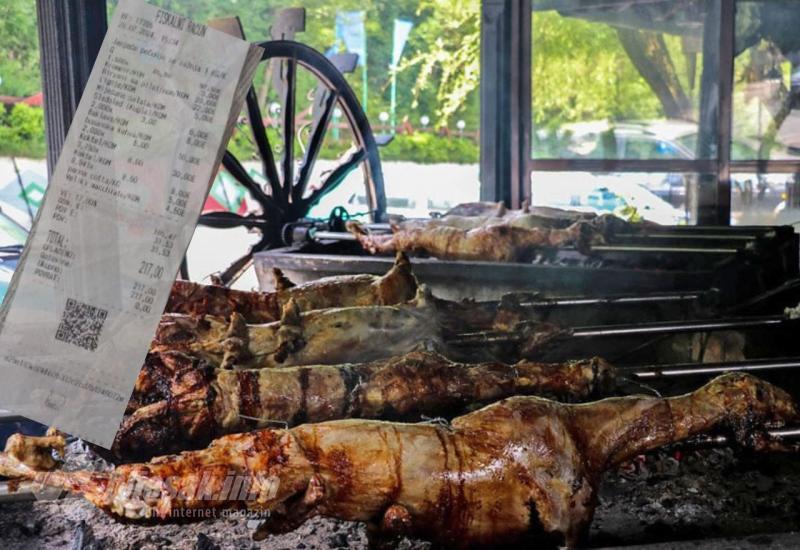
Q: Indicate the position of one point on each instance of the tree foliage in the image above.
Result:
(449, 65)
(19, 48)
(22, 131)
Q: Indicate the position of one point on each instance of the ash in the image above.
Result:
(715, 498)
(700, 494)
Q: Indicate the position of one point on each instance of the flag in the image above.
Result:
(402, 28)
(351, 32)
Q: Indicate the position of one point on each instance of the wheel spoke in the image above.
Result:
(337, 176)
(237, 268)
(235, 168)
(227, 220)
(262, 143)
(288, 126)
(327, 103)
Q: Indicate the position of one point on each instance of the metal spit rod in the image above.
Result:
(784, 433)
(650, 372)
(621, 299)
(679, 327)
(650, 329)
(780, 434)
(333, 236)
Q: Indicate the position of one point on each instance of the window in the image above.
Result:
(426, 111)
(766, 114)
(625, 83)
(23, 169)
(641, 87)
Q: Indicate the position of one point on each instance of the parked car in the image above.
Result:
(657, 140)
(619, 193)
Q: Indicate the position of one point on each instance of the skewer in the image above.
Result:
(331, 235)
(650, 329)
(650, 372)
(680, 327)
(612, 300)
(781, 434)
(647, 249)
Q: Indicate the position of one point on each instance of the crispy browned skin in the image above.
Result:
(202, 402)
(500, 242)
(324, 336)
(522, 466)
(395, 287)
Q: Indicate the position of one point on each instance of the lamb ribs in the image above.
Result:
(199, 402)
(519, 467)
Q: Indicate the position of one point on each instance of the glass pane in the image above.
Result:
(657, 197)
(766, 102)
(425, 109)
(621, 80)
(23, 169)
(765, 199)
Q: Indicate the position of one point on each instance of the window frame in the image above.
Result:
(712, 203)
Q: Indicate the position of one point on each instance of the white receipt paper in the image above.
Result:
(118, 215)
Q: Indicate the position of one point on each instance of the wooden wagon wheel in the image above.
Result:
(288, 195)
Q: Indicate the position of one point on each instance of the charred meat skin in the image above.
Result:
(203, 402)
(398, 285)
(325, 336)
(520, 465)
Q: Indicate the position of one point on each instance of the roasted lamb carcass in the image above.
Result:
(199, 402)
(324, 336)
(395, 287)
(490, 232)
(491, 243)
(398, 285)
(520, 467)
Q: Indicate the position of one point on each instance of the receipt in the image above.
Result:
(118, 215)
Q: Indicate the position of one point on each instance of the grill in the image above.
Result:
(669, 306)
(739, 263)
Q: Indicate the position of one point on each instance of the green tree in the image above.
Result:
(446, 57)
(19, 49)
(22, 131)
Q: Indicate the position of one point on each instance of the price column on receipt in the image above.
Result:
(118, 215)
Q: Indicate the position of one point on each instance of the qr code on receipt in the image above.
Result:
(81, 324)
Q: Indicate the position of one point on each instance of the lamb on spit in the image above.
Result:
(323, 336)
(350, 334)
(500, 242)
(522, 466)
(396, 286)
(199, 402)
(489, 232)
